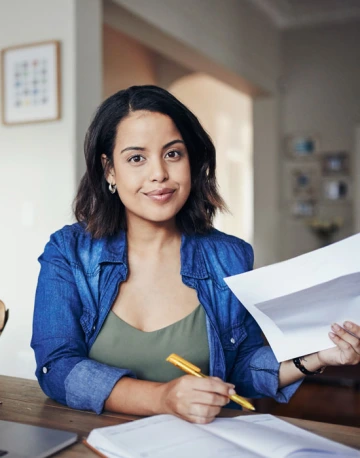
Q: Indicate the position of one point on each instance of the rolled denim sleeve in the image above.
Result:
(264, 369)
(256, 370)
(90, 383)
(64, 371)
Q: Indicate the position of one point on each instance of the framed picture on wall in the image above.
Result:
(336, 189)
(304, 182)
(302, 208)
(31, 83)
(301, 146)
(335, 163)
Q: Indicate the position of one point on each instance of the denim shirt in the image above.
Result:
(78, 283)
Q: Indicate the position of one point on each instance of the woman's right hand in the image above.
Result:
(194, 399)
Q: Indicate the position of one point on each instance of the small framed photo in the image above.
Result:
(336, 163)
(304, 182)
(303, 208)
(31, 83)
(336, 189)
(302, 146)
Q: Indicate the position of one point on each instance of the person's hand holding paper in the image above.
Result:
(296, 301)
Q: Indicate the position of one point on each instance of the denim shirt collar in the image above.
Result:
(114, 250)
(192, 259)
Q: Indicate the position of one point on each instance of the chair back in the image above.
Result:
(4, 316)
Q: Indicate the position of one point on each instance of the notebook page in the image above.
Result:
(163, 436)
(271, 437)
(99, 441)
(275, 423)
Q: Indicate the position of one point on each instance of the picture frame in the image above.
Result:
(304, 182)
(31, 83)
(302, 146)
(335, 163)
(336, 189)
(303, 208)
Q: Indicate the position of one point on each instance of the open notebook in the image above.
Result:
(253, 436)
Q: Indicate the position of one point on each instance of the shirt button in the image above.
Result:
(232, 340)
(44, 369)
(93, 328)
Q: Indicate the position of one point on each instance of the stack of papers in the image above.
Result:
(296, 301)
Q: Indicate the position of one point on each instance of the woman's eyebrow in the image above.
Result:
(133, 148)
(140, 148)
(173, 142)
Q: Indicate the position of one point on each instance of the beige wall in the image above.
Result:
(267, 221)
(126, 62)
(230, 40)
(321, 95)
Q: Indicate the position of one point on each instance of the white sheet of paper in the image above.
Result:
(296, 301)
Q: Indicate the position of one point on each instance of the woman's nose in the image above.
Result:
(159, 171)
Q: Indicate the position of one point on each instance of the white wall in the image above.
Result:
(321, 95)
(39, 163)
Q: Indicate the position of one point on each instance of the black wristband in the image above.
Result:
(302, 368)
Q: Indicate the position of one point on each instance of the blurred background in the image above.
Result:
(274, 82)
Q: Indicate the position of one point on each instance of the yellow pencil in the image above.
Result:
(189, 368)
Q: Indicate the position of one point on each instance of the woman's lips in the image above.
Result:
(161, 195)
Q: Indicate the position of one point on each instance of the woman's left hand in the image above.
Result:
(347, 350)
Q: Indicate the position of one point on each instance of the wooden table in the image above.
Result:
(22, 400)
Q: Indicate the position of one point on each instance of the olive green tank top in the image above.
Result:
(121, 345)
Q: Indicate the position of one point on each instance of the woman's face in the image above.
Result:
(151, 167)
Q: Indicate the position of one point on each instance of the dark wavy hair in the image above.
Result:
(103, 213)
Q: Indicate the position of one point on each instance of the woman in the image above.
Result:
(141, 276)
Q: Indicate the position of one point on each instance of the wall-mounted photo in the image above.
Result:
(335, 163)
(303, 208)
(301, 146)
(304, 182)
(336, 189)
(31, 83)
